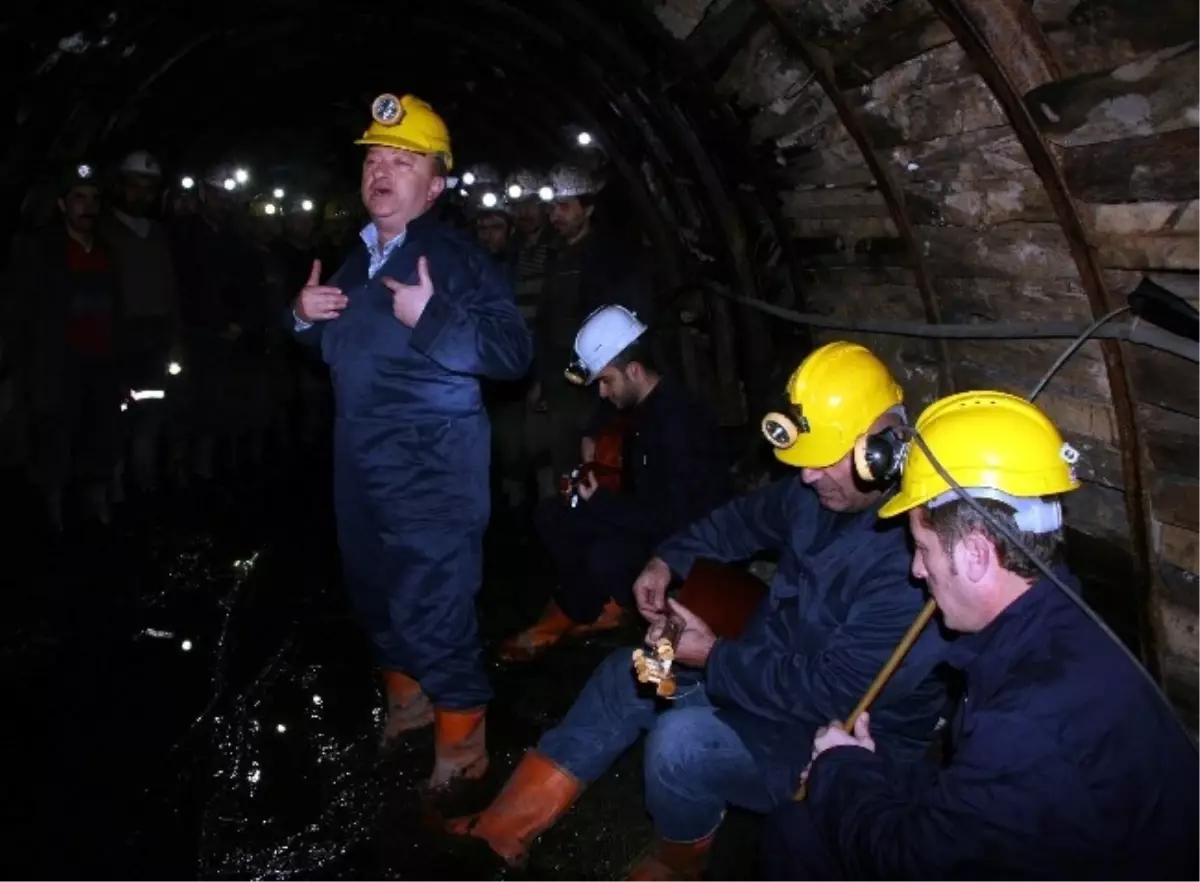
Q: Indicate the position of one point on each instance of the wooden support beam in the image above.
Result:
(1001, 42)
(820, 64)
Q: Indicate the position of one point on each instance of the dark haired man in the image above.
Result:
(675, 469)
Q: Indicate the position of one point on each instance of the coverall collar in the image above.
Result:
(378, 256)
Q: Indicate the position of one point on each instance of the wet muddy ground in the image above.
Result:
(187, 697)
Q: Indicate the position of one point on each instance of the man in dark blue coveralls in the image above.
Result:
(408, 326)
(1064, 762)
(742, 726)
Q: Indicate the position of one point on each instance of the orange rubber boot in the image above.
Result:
(538, 793)
(460, 746)
(409, 707)
(549, 629)
(666, 860)
(609, 619)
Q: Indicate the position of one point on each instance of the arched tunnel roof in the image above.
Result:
(931, 160)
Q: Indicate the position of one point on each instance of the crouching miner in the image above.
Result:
(666, 466)
(740, 730)
(408, 325)
(1063, 762)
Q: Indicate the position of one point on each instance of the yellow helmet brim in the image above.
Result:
(812, 452)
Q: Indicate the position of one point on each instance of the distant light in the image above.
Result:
(912, 166)
(489, 200)
(230, 184)
(188, 182)
(145, 394)
(515, 191)
(317, 700)
(546, 194)
(468, 178)
(463, 193)
(84, 171)
(241, 175)
(186, 645)
(584, 139)
(278, 193)
(281, 728)
(174, 369)
(307, 205)
(270, 209)
(124, 406)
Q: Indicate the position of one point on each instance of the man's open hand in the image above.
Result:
(409, 301)
(317, 302)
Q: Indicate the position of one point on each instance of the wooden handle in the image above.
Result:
(885, 673)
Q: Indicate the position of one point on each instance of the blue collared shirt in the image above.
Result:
(376, 257)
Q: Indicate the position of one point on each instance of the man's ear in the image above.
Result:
(978, 555)
(62, 205)
(436, 186)
(588, 211)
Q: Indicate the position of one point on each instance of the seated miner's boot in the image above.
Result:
(460, 747)
(408, 707)
(665, 860)
(610, 617)
(538, 793)
(549, 629)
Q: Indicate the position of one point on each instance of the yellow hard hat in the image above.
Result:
(985, 440)
(835, 395)
(408, 123)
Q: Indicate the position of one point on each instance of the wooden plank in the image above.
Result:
(901, 113)
(1159, 167)
(1014, 251)
(978, 204)
(846, 229)
(1148, 96)
(1178, 547)
(883, 301)
(1165, 380)
(1027, 360)
(1100, 512)
(1172, 253)
(1175, 500)
(839, 164)
(1178, 587)
(1181, 682)
(1180, 631)
(968, 299)
(1146, 219)
(909, 29)
(1171, 440)
(835, 251)
(1089, 36)
(834, 202)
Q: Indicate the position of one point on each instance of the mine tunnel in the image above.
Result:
(986, 194)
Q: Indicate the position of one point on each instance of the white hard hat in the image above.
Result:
(482, 174)
(567, 180)
(604, 334)
(522, 184)
(141, 163)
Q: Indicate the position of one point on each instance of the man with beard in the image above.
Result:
(409, 325)
(62, 316)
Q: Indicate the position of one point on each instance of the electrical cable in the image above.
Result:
(1070, 350)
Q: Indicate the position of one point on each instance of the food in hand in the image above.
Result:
(656, 667)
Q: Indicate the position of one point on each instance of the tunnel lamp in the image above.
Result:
(463, 193)
(147, 394)
(84, 171)
(281, 728)
(241, 176)
(174, 368)
(186, 645)
(277, 192)
(468, 178)
(584, 139)
(188, 182)
(546, 194)
(515, 191)
(270, 209)
(317, 700)
(489, 200)
(307, 205)
(230, 184)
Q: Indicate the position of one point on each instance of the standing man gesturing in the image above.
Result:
(408, 325)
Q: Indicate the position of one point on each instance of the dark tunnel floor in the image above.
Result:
(131, 757)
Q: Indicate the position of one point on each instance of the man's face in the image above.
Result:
(80, 207)
(137, 193)
(569, 218)
(492, 231)
(529, 216)
(301, 225)
(214, 202)
(943, 577)
(398, 186)
(621, 388)
(837, 487)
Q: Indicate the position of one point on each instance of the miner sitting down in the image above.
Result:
(1064, 763)
(741, 727)
(673, 469)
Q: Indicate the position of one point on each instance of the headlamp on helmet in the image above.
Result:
(782, 430)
